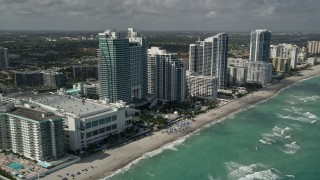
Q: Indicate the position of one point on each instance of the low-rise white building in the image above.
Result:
(312, 60)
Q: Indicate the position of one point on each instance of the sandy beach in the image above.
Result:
(103, 164)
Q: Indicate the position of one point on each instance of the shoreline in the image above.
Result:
(110, 162)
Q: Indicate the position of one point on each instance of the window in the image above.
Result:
(88, 134)
(108, 128)
(128, 122)
(114, 126)
(82, 124)
(108, 119)
(95, 123)
(102, 130)
(114, 118)
(95, 132)
(102, 121)
(88, 125)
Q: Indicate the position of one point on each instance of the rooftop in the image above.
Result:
(69, 104)
(63, 104)
(32, 114)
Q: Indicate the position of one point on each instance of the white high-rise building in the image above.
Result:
(237, 76)
(122, 66)
(260, 45)
(259, 72)
(285, 51)
(274, 51)
(138, 64)
(166, 75)
(35, 134)
(4, 58)
(209, 58)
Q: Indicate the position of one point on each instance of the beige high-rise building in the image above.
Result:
(285, 51)
(313, 47)
(281, 64)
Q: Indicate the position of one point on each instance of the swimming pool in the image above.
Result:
(15, 165)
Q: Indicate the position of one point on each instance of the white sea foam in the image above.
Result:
(276, 129)
(232, 116)
(276, 135)
(291, 148)
(291, 102)
(173, 148)
(287, 129)
(214, 122)
(290, 176)
(313, 98)
(152, 175)
(253, 171)
(265, 142)
(263, 175)
(232, 165)
(307, 117)
(210, 177)
(295, 126)
(311, 116)
(299, 118)
(241, 171)
(269, 140)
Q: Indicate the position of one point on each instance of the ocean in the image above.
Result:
(276, 139)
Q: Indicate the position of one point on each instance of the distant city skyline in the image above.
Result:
(168, 15)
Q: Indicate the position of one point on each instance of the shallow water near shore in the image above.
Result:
(278, 139)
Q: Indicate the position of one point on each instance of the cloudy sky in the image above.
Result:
(203, 15)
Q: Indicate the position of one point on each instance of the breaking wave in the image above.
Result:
(291, 148)
(253, 171)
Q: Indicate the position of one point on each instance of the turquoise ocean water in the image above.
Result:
(277, 139)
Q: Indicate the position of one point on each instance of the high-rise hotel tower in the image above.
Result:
(260, 45)
(209, 58)
(122, 66)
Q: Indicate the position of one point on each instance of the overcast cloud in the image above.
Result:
(206, 15)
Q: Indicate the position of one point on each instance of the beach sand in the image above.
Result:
(107, 162)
